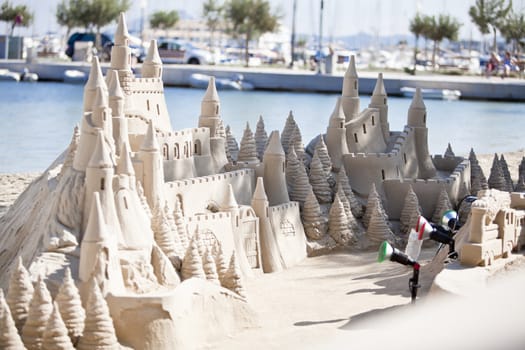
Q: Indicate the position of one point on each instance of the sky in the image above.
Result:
(341, 17)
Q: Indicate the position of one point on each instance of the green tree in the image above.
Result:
(513, 29)
(164, 19)
(445, 27)
(487, 15)
(69, 13)
(15, 15)
(212, 12)
(250, 19)
(417, 27)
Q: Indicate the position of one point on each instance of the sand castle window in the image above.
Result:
(284, 169)
(383, 173)
(424, 118)
(364, 129)
(355, 84)
(176, 152)
(217, 109)
(237, 221)
(373, 120)
(158, 110)
(102, 185)
(165, 151)
(125, 202)
(384, 101)
(342, 125)
(185, 150)
(198, 147)
(147, 104)
(355, 138)
(405, 157)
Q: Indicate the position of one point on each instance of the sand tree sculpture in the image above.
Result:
(261, 138)
(324, 156)
(301, 185)
(9, 338)
(506, 173)
(338, 227)
(221, 264)
(233, 278)
(56, 335)
(378, 229)
(520, 185)
(315, 224)
(296, 141)
(355, 226)
(175, 236)
(70, 307)
(318, 180)
(20, 294)
(210, 268)
(220, 131)
(410, 213)
(497, 178)
(164, 268)
(248, 148)
(355, 205)
(289, 128)
(99, 331)
(292, 168)
(478, 180)
(374, 203)
(40, 309)
(180, 222)
(521, 168)
(231, 145)
(442, 205)
(162, 232)
(448, 152)
(192, 262)
(143, 200)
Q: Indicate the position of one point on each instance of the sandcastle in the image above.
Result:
(159, 228)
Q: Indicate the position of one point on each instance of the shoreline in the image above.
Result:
(282, 79)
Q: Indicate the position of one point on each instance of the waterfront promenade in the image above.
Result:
(471, 87)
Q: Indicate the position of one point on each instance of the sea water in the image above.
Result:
(37, 119)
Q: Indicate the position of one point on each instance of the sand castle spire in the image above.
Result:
(210, 108)
(101, 157)
(150, 142)
(121, 34)
(121, 52)
(125, 165)
(336, 136)
(229, 202)
(379, 101)
(350, 93)
(95, 80)
(417, 112)
(274, 172)
(152, 66)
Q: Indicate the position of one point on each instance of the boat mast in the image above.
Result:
(319, 64)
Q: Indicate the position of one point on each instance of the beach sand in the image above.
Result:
(314, 302)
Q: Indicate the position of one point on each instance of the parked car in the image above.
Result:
(106, 42)
(178, 51)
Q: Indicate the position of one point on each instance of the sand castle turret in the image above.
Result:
(379, 100)
(336, 136)
(274, 176)
(417, 119)
(152, 66)
(153, 170)
(121, 52)
(350, 96)
(95, 80)
(116, 103)
(210, 108)
(98, 251)
(269, 252)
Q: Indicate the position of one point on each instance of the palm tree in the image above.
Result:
(513, 29)
(212, 11)
(487, 14)
(445, 27)
(417, 27)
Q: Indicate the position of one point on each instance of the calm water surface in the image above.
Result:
(37, 120)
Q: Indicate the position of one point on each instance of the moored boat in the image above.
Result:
(434, 94)
(200, 81)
